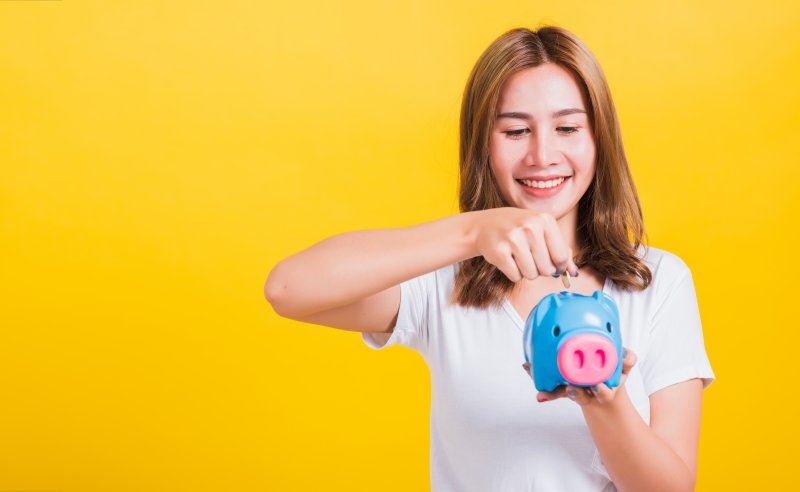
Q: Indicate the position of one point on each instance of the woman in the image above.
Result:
(545, 188)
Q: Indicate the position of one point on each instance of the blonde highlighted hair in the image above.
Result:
(610, 228)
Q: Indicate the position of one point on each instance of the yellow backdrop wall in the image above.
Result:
(157, 159)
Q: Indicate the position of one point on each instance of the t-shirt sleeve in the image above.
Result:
(411, 327)
(676, 350)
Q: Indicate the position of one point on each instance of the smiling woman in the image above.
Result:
(544, 189)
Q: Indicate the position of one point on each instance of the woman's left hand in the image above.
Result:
(599, 394)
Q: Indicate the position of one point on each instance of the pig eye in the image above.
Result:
(608, 327)
(556, 331)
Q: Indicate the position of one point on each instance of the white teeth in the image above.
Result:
(543, 184)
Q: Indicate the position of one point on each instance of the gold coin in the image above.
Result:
(565, 279)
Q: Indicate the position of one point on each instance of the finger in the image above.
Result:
(527, 367)
(521, 252)
(603, 393)
(578, 395)
(560, 253)
(628, 360)
(506, 264)
(558, 392)
(540, 252)
(573, 267)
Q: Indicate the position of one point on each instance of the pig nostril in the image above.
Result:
(600, 358)
(577, 358)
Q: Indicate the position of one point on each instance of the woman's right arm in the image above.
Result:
(352, 280)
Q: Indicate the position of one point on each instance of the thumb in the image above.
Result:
(628, 359)
(573, 268)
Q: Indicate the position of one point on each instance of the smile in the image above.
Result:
(542, 184)
(543, 188)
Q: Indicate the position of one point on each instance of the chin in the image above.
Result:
(543, 207)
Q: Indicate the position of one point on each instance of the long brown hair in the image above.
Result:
(610, 228)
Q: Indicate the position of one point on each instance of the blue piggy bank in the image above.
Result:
(574, 339)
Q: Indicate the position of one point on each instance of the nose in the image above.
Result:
(540, 149)
(587, 359)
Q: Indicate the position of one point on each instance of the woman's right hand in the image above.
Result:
(523, 243)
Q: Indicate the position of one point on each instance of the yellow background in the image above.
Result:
(157, 159)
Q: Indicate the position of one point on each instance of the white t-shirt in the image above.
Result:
(488, 432)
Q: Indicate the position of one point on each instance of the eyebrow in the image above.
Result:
(527, 116)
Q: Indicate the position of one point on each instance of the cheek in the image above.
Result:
(584, 154)
(499, 159)
(503, 155)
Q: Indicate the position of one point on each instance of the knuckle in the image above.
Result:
(490, 256)
(501, 249)
(533, 226)
(516, 242)
(547, 218)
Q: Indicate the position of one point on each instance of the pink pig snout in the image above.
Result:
(587, 359)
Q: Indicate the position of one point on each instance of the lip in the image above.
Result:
(543, 192)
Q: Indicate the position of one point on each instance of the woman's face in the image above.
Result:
(542, 136)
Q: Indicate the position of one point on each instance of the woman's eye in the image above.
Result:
(516, 133)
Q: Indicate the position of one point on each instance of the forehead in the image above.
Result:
(545, 87)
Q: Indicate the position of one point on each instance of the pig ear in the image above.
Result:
(607, 302)
(549, 302)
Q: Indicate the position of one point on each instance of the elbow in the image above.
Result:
(270, 292)
(274, 289)
(692, 482)
(691, 478)
(674, 482)
(281, 291)
(684, 487)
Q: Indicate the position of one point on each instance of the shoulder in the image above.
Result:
(668, 272)
(666, 267)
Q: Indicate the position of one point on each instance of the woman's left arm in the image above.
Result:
(662, 456)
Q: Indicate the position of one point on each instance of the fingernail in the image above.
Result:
(596, 389)
(556, 275)
(624, 353)
(571, 393)
(540, 400)
(577, 272)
